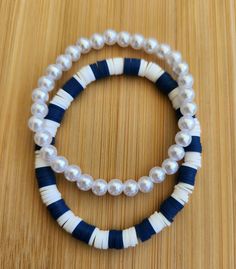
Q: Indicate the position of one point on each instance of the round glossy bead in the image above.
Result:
(130, 187)
(99, 187)
(183, 138)
(163, 50)
(186, 81)
(46, 82)
(74, 52)
(65, 61)
(186, 95)
(110, 37)
(150, 45)
(72, 173)
(145, 184)
(48, 153)
(188, 109)
(181, 68)
(35, 124)
(157, 174)
(176, 152)
(186, 123)
(115, 187)
(43, 138)
(170, 166)
(123, 39)
(173, 58)
(84, 182)
(39, 109)
(97, 41)
(137, 41)
(40, 94)
(59, 164)
(54, 71)
(84, 44)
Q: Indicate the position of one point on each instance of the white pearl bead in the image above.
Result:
(115, 187)
(84, 182)
(65, 61)
(97, 41)
(181, 68)
(35, 124)
(84, 44)
(186, 123)
(46, 82)
(186, 81)
(150, 45)
(188, 109)
(174, 58)
(59, 164)
(176, 152)
(74, 52)
(110, 37)
(186, 95)
(157, 174)
(183, 138)
(72, 173)
(40, 94)
(145, 184)
(170, 166)
(48, 153)
(39, 109)
(54, 71)
(163, 50)
(99, 187)
(130, 187)
(137, 41)
(123, 39)
(42, 138)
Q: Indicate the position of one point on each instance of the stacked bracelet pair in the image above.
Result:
(46, 120)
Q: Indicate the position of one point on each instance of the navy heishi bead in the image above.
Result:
(96, 71)
(170, 207)
(187, 174)
(195, 145)
(58, 208)
(131, 66)
(55, 113)
(83, 231)
(144, 230)
(103, 67)
(115, 239)
(45, 176)
(73, 87)
(166, 83)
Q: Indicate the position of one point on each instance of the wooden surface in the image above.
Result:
(119, 127)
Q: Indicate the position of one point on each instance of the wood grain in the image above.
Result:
(118, 127)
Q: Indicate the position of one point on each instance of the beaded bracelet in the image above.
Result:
(186, 175)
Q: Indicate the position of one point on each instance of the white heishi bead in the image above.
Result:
(186, 95)
(72, 173)
(183, 138)
(99, 187)
(130, 187)
(110, 37)
(84, 182)
(74, 52)
(84, 44)
(186, 123)
(39, 109)
(157, 174)
(40, 94)
(137, 41)
(43, 138)
(188, 109)
(65, 61)
(163, 50)
(123, 39)
(176, 152)
(54, 71)
(115, 187)
(48, 153)
(35, 124)
(150, 45)
(181, 68)
(145, 184)
(186, 81)
(97, 41)
(59, 164)
(174, 58)
(170, 166)
(46, 82)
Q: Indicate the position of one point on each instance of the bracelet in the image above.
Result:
(62, 100)
(50, 195)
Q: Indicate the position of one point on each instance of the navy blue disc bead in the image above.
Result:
(144, 230)
(166, 83)
(170, 207)
(187, 175)
(195, 145)
(58, 208)
(115, 239)
(83, 231)
(73, 87)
